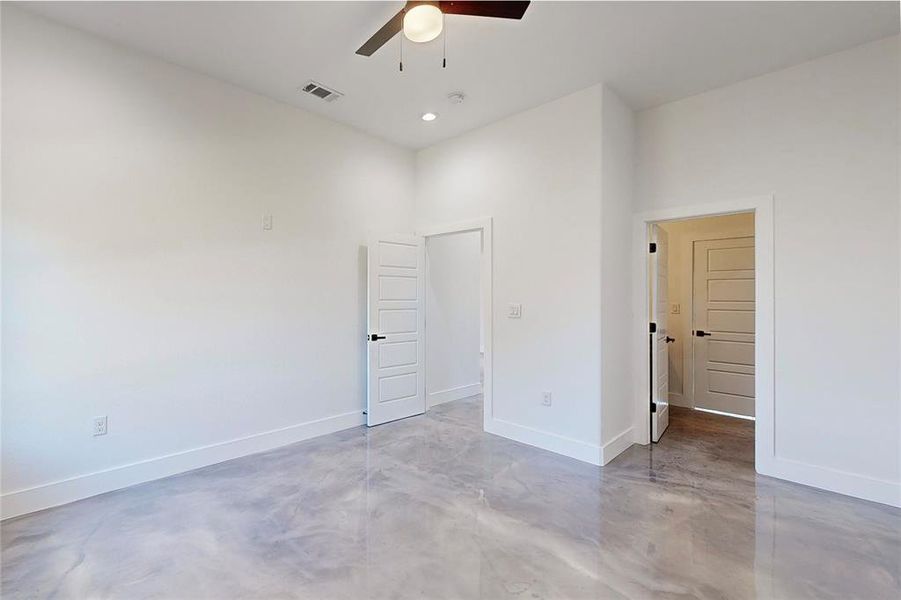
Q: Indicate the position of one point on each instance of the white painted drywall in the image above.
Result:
(617, 134)
(137, 280)
(823, 138)
(537, 174)
(682, 235)
(452, 316)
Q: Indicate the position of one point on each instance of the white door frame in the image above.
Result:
(764, 351)
(486, 282)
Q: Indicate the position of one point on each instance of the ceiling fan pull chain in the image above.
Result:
(444, 27)
(401, 54)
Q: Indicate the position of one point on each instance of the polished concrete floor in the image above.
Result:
(431, 507)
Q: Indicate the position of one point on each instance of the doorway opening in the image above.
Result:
(429, 313)
(442, 238)
(720, 257)
(454, 339)
(702, 309)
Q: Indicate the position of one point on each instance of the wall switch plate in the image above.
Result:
(514, 311)
(676, 309)
(267, 222)
(546, 398)
(100, 425)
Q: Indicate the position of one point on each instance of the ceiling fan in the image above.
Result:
(423, 21)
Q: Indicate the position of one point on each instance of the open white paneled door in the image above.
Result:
(396, 349)
(659, 340)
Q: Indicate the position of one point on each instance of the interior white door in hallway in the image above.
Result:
(659, 339)
(723, 325)
(396, 349)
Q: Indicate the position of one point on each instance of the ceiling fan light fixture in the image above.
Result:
(429, 116)
(423, 23)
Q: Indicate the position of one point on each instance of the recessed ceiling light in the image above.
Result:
(429, 116)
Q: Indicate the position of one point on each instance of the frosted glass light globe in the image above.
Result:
(423, 23)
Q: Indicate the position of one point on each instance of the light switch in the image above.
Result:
(267, 222)
(514, 311)
(676, 309)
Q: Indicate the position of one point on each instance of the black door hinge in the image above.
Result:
(652, 327)
(652, 247)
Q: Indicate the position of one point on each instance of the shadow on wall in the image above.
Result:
(363, 281)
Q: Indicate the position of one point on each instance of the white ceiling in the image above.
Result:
(650, 52)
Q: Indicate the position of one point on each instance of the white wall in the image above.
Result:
(682, 235)
(617, 135)
(453, 317)
(537, 174)
(823, 138)
(138, 282)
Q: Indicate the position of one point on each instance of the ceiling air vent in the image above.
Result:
(314, 88)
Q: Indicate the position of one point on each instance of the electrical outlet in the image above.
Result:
(546, 399)
(267, 222)
(514, 311)
(676, 309)
(100, 425)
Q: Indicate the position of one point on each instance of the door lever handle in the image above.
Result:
(670, 340)
(700, 333)
(374, 337)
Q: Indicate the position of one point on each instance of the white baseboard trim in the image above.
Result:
(20, 502)
(619, 444)
(559, 444)
(842, 482)
(457, 393)
(677, 399)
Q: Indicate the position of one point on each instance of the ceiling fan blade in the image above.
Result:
(500, 10)
(381, 37)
